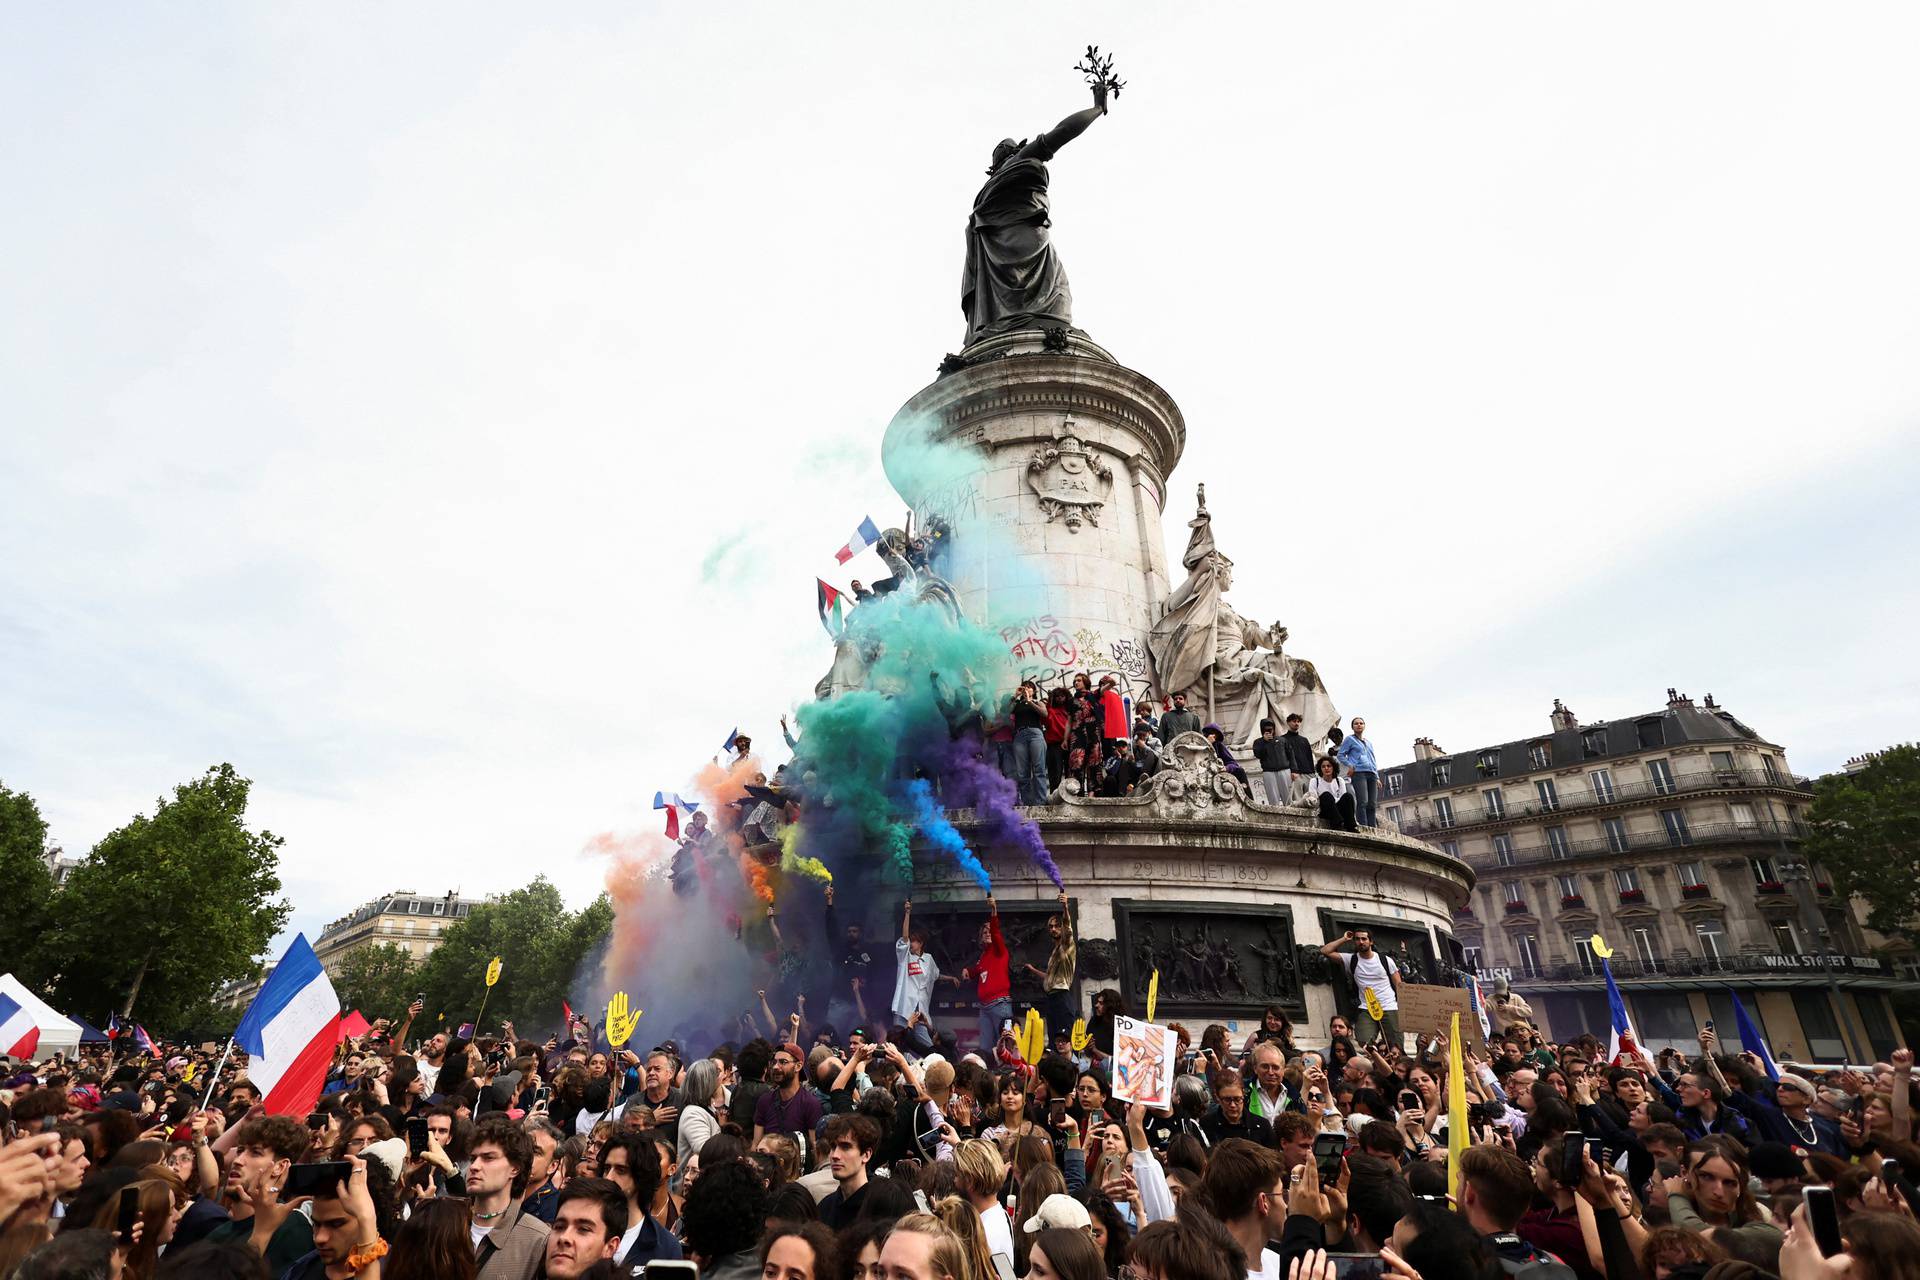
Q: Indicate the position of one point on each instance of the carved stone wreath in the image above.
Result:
(1071, 483)
(1192, 782)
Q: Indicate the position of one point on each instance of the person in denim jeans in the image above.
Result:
(1030, 744)
(1356, 753)
(992, 983)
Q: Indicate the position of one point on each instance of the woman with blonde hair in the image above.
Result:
(964, 1222)
(979, 1173)
(920, 1247)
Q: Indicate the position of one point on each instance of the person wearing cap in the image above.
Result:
(788, 1107)
(1787, 1116)
(1276, 768)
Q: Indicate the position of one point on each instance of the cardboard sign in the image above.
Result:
(1143, 1062)
(1428, 1010)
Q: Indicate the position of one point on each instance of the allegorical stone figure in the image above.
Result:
(1013, 279)
(1231, 670)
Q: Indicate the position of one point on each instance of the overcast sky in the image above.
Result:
(442, 411)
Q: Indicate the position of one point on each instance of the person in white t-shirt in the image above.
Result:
(913, 984)
(1371, 972)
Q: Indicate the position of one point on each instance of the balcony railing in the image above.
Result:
(1517, 908)
(1628, 896)
(1640, 842)
(1632, 789)
(1695, 891)
(1625, 967)
(1572, 901)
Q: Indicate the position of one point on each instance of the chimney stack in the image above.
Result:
(1427, 749)
(1677, 700)
(1561, 717)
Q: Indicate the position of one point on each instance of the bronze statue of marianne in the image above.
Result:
(1013, 279)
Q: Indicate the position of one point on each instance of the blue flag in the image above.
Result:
(1750, 1037)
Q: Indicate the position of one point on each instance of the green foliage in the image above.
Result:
(379, 980)
(541, 945)
(167, 908)
(26, 905)
(1864, 828)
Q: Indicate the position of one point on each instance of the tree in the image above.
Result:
(26, 902)
(380, 981)
(165, 909)
(540, 944)
(1864, 828)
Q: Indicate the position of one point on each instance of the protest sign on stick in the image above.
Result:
(1143, 1062)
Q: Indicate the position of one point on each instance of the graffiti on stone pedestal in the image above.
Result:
(1129, 658)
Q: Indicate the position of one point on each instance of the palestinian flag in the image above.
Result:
(829, 599)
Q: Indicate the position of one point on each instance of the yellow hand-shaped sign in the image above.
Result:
(1374, 1010)
(1033, 1037)
(1153, 994)
(493, 971)
(1600, 947)
(620, 1023)
(1081, 1037)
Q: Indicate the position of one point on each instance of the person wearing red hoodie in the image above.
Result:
(992, 987)
(1113, 714)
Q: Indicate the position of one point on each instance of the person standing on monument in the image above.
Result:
(1356, 753)
(1371, 972)
(1030, 744)
(1059, 726)
(1274, 763)
(1113, 715)
(993, 987)
(1058, 977)
(1299, 753)
(1179, 720)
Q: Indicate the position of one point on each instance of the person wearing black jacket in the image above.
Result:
(1299, 750)
(1229, 1117)
(1275, 768)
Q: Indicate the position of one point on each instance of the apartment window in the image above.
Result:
(1487, 762)
(1594, 743)
(1742, 814)
(1616, 829)
(1676, 822)
(1643, 946)
(1393, 815)
(1557, 843)
(1770, 768)
(1661, 775)
(1540, 755)
(1763, 872)
(1442, 771)
(1651, 733)
(1626, 880)
(1784, 939)
(1395, 781)
(1549, 795)
(1713, 943)
(1908, 968)
(1815, 1010)
(1512, 889)
(1602, 780)
(1470, 957)
(413, 907)
(1722, 761)
(1583, 955)
(1450, 847)
(1495, 801)
(439, 908)
(1527, 950)
(1503, 850)
(1691, 874)
(1442, 812)
(1569, 888)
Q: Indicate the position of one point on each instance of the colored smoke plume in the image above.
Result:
(931, 817)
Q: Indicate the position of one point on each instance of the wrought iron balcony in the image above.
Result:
(1707, 833)
(1586, 798)
(1627, 968)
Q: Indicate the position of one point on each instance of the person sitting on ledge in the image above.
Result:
(1334, 796)
(1214, 735)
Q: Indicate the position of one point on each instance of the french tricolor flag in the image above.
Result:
(675, 806)
(863, 537)
(289, 1032)
(19, 1033)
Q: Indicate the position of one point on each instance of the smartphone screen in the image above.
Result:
(1409, 1099)
(417, 1135)
(1356, 1266)
(1056, 1110)
(670, 1270)
(1573, 1165)
(1824, 1217)
(1328, 1148)
(313, 1179)
(129, 1213)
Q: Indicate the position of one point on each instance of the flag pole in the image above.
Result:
(213, 1080)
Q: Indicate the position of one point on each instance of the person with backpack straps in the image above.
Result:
(1496, 1190)
(1371, 972)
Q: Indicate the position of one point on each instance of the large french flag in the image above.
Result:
(863, 537)
(19, 1033)
(1622, 1040)
(289, 1032)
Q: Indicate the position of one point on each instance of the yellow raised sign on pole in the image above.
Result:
(1600, 947)
(493, 970)
(620, 1023)
(1033, 1037)
(1153, 994)
(1080, 1037)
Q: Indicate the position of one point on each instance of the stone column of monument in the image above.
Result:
(1058, 541)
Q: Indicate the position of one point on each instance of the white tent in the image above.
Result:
(58, 1033)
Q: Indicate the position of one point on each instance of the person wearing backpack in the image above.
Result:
(1496, 1190)
(1370, 972)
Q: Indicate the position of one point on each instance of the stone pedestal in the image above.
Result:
(1058, 541)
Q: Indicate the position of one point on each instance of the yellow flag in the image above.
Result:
(620, 1023)
(1456, 1109)
(493, 971)
(1081, 1037)
(187, 1075)
(1033, 1037)
(1153, 994)
(1600, 947)
(1372, 1001)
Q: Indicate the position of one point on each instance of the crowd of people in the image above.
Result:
(1316, 1157)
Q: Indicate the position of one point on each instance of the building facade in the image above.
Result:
(407, 920)
(1675, 836)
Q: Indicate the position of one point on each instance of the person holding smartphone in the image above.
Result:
(258, 1163)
